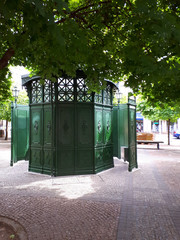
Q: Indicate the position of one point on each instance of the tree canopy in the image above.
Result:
(5, 107)
(134, 40)
(159, 111)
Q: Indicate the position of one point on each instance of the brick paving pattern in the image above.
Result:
(114, 204)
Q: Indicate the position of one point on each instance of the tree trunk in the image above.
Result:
(6, 137)
(4, 61)
(168, 132)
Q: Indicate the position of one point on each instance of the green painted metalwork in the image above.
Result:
(120, 128)
(20, 133)
(124, 133)
(132, 145)
(70, 129)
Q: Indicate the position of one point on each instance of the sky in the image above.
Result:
(17, 72)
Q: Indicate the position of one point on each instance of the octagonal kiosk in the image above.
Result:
(70, 129)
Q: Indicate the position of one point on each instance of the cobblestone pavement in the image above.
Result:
(114, 204)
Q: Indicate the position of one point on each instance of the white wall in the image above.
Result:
(146, 125)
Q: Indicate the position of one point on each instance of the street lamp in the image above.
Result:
(118, 96)
(15, 93)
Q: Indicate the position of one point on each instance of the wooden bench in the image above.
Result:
(150, 142)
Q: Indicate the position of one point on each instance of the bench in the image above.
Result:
(150, 142)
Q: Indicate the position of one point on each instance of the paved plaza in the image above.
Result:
(114, 204)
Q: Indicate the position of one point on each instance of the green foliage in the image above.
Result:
(5, 84)
(106, 39)
(23, 98)
(159, 111)
(12, 236)
(124, 99)
(5, 107)
(5, 111)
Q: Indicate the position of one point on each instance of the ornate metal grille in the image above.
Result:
(65, 90)
(98, 97)
(82, 91)
(47, 91)
(107, 95)
(53, 91)
(36, 92)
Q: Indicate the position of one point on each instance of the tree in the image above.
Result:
(23, 98)
(5, 108)
(5, 85)
(5, 114)
(107, 39)
(160, 111)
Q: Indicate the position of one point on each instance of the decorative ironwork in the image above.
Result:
(99, 126)
(53, 87)
(99, 157)
(107, 95)
(65, 90)
(36, 92)
(49, 127)
(108, 126)
(47, 91)
(98, 97)
(36, 126)
(82, 91)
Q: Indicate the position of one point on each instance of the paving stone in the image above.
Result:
(113, 204)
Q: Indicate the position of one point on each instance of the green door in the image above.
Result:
(20, 134)
(132, 147)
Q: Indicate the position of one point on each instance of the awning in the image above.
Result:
(139, 116)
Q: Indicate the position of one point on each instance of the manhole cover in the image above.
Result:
(7, 232)
(10, 229)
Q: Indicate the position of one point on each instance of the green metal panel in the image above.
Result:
(132, 147)
(65, 126)
(103, 138)
(84, 159)
(65, 161)
(36, 126)
(120, 129)
(99, 163)
(107, 116)
(75, 139)
(42, 139)
(48, 140)
(115, 133)
(123, 116)
(98, 130)
(65, 139)
(20, 133)
(107, 156)
(48, 126)
(35, 163)
(36, 139)
(47, 160)
(84, 126)
(124, 133)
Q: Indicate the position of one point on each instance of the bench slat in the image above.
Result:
(149, 141)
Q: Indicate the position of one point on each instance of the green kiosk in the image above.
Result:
(70, 128)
